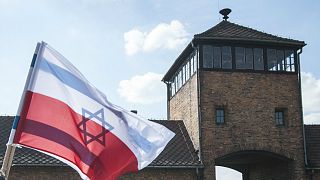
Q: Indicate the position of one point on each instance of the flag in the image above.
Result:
(66, 117)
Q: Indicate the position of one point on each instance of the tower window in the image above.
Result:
(280, 60)
(244, 58)
(258, 59)
(279, 115)
(217, 57)
(220, 116)
(249, 58)
(207, 56)
(187, 70)
(226, 57)
(184, 73)
(289, 61)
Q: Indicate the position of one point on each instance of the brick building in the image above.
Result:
(234, 100)
(238, 91)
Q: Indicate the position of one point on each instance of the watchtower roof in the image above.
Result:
(227, 30)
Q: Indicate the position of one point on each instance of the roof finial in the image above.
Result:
(225, 12)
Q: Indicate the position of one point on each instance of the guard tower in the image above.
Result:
(238, 92)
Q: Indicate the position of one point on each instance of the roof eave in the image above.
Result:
(39, 165)
(312, 168)
(150, 166)
(178, 166)
(297, 44)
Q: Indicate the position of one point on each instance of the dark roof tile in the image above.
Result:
(179, 151)
(230, 31)
(23, 156)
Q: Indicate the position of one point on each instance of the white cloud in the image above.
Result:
(143, 89)
(134, 40)
(166, 36)
(311, 98)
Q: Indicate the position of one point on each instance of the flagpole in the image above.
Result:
(8, 157)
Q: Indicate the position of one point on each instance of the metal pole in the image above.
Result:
(7, 161)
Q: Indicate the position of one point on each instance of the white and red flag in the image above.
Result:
(66, 117)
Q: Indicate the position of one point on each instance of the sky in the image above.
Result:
(124, 47)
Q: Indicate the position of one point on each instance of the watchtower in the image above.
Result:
(238, 92)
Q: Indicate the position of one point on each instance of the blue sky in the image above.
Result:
(125, 46)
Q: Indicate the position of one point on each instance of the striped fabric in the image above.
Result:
(66, 117)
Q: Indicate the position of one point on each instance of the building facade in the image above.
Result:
(238, 91)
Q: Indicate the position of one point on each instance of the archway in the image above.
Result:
(257, 164)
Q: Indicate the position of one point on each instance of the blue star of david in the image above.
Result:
(105, 127)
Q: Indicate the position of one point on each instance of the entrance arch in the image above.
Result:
(256, 164)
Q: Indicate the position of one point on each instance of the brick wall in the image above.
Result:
(67, 173)
(250, 100)
(43, 173)
(184, 106)
(162, 174)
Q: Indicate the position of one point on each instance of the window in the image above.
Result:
(220, 115)
(173, 88)
(188, 70)
(289, 61)
(279, 115)
(183, 74)
(217, 57)
(272, 59)
(280, 60)
(180, 79)
(176, 83)
(244, 58)
(207, 56)
(226, 57)
(258, 59)
(191, 64)
(249, 58)
(240, 58)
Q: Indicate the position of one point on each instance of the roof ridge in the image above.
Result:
(312, 125)
(185, 140)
